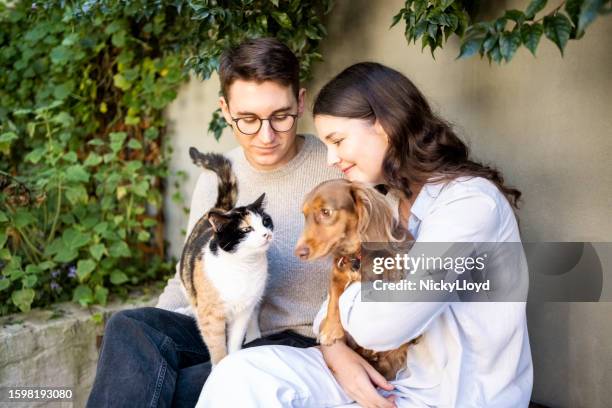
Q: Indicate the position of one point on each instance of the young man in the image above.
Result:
(156, 357)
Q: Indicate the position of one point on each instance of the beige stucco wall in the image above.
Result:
(545, 121)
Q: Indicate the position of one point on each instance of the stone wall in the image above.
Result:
(57, 348)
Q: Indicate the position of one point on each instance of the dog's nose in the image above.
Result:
(267, 236)
(302, 252)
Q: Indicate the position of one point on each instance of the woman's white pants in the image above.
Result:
(275, 376)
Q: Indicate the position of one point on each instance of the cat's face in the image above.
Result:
(243, 230)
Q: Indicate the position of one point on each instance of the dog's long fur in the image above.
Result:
(339, 216)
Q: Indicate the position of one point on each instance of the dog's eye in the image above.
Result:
(326, 212)
(246, 229)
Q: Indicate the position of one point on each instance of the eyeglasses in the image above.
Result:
(250, 125)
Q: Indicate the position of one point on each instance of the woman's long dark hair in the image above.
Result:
(421, 145)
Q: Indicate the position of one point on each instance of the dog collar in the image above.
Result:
(354, 261)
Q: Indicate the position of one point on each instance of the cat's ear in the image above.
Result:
(217, 219)
(260, 202)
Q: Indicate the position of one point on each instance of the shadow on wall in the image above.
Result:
(550, 350)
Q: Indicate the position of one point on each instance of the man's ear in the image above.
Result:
(301, 101)
(218, 219)
(225, 110)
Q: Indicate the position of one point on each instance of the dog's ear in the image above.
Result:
(218, 219)
(375, 219)
(363, 207)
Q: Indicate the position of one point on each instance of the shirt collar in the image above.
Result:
(427, 196)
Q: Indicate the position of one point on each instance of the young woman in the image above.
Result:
(379, 129)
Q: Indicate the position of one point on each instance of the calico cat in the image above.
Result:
(223, 266)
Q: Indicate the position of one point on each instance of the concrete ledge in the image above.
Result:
(58, 347)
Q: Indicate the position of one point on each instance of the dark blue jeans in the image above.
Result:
(155, 358)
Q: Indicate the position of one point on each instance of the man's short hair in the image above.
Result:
(259, 60)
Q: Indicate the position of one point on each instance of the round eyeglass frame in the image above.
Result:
(294, 116)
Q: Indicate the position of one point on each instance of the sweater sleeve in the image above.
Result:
(204, 196)
(376, 325)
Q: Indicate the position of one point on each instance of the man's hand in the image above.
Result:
(356, 376)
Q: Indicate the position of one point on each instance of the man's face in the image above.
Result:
(267, 149)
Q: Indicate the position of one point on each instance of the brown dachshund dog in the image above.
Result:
(339, 216)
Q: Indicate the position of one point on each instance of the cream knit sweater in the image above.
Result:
(295, 289)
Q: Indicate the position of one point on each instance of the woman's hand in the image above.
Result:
(356, 376)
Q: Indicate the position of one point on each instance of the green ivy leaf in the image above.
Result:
(113, 27)
(530, 35)
(74, 239)
(64, 118)
(3, 238)
(83, 295)
(119, 249)
(33, 269)
(141, 188)
(23, 218)
(143, 236)
(134, 144)
(495, 55)
(8, 137)
(588, 12)
(46, 265)
(121, 82)
(97, 251)
(23, 299)
(558, 28)
(101, 228)
(3, 218)
(118, 39)
(92, 160)
(84, 268)
(151, 133)
(101, 295)
(4, 284)
(60, 55)
(35, 155)
(77, 194)
(509, 43)
(534, 8)
(5, 142)
(515, 15)
(118, 277)
(117, 139)
(572, 7)
(65, 255)
(29, 281)
(282, 19)
(470, 47)
(70, 157)
(77, 173)
(148, 222)
(133, 120)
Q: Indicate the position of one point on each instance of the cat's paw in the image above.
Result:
(330, 332)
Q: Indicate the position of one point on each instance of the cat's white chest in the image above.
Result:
(240, 283)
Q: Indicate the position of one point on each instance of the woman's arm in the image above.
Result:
(472, 217)
(356, 376)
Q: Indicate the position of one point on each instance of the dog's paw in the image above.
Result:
(330, 333)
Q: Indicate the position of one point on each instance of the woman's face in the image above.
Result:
(355, 146)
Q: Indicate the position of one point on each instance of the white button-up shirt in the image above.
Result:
(470, 354)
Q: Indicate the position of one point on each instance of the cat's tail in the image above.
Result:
(228, 187)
